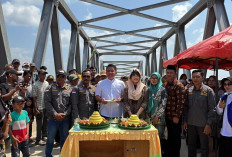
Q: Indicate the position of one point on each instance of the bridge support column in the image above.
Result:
(4, 48)
(97, 63)
(163, 56)
(153, 62)
(85, 55)
(56, 44)
(72, 48)
(77, 55)
(221, 17)
(147, 65)
(42, 37)
(209, 27)
(182, 43)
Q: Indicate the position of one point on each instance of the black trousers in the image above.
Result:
(193, 133)
(225, 144)
(174, 138)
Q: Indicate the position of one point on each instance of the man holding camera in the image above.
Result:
(11, 88)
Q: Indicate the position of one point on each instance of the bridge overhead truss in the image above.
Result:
(50, 21)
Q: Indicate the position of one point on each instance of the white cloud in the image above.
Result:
(30, 2)
(22, 54)
(17, 14)
(89, 16)
(199, 38)
(65, 35)
(92, 33)
(179, 10)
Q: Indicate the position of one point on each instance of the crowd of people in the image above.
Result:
(175, 107)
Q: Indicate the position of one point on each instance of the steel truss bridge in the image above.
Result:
(50, 23)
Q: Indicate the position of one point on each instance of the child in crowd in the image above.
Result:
(29, 108)
(19, 128)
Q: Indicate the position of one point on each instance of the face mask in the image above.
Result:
(24, 69)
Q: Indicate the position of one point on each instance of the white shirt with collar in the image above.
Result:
(226, 129)
(111, 89)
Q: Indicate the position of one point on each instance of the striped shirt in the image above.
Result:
(19, 124)
(38, 91)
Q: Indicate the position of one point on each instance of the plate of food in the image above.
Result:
(134, 123)
(114, 121)
(95, 121)
(111, 100)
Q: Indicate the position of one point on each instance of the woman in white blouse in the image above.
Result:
(226, 129)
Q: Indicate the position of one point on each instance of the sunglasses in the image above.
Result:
(227, 84)
(60, 76)
(86, 76)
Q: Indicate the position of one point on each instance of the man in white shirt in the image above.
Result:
(109, 93)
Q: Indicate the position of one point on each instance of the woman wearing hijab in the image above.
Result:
(135, 96)
(157, 103)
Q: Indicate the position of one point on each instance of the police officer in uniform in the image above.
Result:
(199, 114)
(58, 107)
(83, 97)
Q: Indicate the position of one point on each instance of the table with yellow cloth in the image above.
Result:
(71, 147)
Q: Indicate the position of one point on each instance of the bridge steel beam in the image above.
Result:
(153, 62)
(113, 42)
(192, 13)
(42, 36)
(147, 66)
(176, 46)
(65, 10)
(131, 50)
(78, 54)
(4, 48)
(116, 53)
(97, 63)
(209, 27)
(183, 46)
(141, 67)
(72, 47)
(135, 12)
(101, 65)
(133, 34)
(85, 55)
(56, 44)
(221, 17)
(163, 56)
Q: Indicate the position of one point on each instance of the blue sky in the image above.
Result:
(22, 20)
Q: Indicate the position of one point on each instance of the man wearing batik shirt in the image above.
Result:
(174, 109)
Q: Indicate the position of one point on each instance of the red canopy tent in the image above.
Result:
(204, 54)
(212, 53)
(172, 61)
